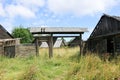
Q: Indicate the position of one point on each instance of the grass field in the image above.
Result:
(63, 66)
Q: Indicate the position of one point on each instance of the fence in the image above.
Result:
(12, 48)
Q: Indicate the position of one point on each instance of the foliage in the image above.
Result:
(91, 67)
(63, 66)
(23, 33)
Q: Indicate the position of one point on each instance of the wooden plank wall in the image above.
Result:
(9, 51)
(106, 26)
(24, 50)
(117, 45)
(96, 46)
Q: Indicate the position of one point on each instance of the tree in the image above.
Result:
(23, 33)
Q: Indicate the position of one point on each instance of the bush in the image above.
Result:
(23, 33)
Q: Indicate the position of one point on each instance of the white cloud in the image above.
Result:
(80, 7)
(34, 5)
(22, 8)
(7, 24)
(2, 12)
(25, 9)
(87, 34)
(32, 9)
(29, 3)
(18, 10)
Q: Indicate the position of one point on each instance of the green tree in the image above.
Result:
(23, 33)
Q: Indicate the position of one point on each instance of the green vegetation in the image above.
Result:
(23, 33)
(64, 66)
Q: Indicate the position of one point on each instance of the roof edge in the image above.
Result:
(6, 31)
(104, 15)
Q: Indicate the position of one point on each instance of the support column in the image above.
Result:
(37, 47)
(50, 46)
(114, 52)
(80, 45)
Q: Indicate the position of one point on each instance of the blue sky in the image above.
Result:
(56, 13)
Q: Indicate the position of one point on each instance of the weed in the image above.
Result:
(66, 64)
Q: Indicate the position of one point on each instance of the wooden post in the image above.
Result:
(80, 45)
(50, 46)
(37, 47)
(114, 43)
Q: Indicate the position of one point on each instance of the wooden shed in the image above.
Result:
(57, 44)
(6, 40)
(4, 34)
(105, 37)
(74, 42)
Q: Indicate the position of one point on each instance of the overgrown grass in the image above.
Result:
(63, 66)
(91, 67)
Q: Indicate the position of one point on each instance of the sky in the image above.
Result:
(56, 13)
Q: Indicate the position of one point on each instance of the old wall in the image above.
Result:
(1, 50)
(25, 50)
(96, 46)
(117, 45)
(9, 51)
(18, 50)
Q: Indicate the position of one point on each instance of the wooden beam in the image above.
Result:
(50, 46)
(54, 40)
(114, 43)
(59, 36)
(80, 45)
(57, 30)
(37, 47)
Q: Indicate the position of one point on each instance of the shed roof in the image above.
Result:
(44, 45)
(57, 30)
(57, 44)
(96, 27)
(4, 34)
(115, 17)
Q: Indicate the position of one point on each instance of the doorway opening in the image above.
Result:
(110, 45)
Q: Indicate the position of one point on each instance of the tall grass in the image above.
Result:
(63, 66)
(91, 67)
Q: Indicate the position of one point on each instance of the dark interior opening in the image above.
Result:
(110, 45)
